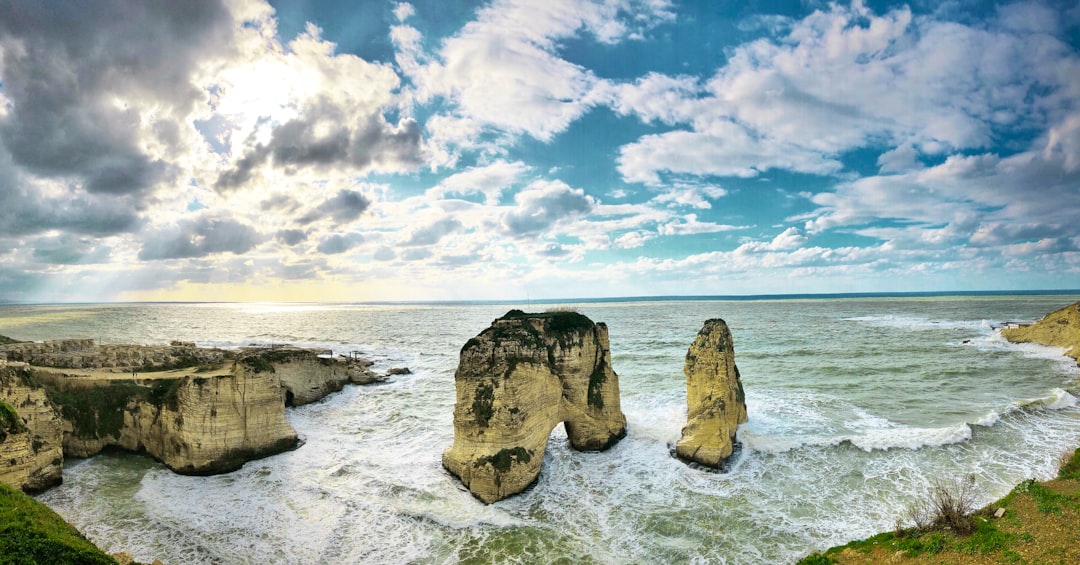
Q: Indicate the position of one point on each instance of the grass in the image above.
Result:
(32, 533)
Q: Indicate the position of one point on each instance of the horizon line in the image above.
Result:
(613, 299)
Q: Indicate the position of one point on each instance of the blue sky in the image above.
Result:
(430, 150)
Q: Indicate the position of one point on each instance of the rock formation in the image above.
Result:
(515, 382)
(31, 433)
(715, 401)
(1060, 328)
(197, 410)
(193, 424)
(306, 377)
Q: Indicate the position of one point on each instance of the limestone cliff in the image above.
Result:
(515, 382)
(715, 401)
(194, 424)
(1060, 328)
(31, 433)
(306, 377)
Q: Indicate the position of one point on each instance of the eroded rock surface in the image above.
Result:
(715, 401)
(31, 433)
(1060, 328)
(515, 382)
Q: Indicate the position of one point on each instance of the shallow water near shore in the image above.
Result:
(855, 406)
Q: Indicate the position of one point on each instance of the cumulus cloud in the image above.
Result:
(339, 243)
(344, 207)
(490, 180)
(503, 71)
(83, 78)
(199, 237)
(432, 233)
(544, 204)
(67, 249)
(844, 78)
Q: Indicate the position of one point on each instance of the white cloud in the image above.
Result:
(693, 196)
(689, 225)
(490, 180)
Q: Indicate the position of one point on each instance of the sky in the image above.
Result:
(334, 150)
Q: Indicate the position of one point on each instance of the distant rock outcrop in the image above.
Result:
(1060, 328)
(715, 401)
(515, 382)
(31, 432)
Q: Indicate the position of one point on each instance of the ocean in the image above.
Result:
(856, 406)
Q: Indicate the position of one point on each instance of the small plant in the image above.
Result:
(948, 507)
(483, 399)
(10, 423)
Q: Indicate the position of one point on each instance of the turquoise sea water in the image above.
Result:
(855, 406)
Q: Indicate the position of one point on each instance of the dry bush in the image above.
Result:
(948, 507)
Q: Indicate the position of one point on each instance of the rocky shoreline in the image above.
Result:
(199, 411)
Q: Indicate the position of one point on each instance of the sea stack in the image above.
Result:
(515, 382)
(715, 401)
(1060, 328)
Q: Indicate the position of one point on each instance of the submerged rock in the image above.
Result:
(1060, 328)
(515, 382)
(715, 401)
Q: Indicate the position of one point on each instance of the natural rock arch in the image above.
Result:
(515, 382)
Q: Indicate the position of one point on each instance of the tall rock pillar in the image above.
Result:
(715, 401)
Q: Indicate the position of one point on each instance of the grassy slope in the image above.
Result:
(32, 533)
(1041, 525)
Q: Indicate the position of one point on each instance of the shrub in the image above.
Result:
(949, 506)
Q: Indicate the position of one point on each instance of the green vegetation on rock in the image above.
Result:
(10, 423)
(31, 533)
(483, 400)
(505, 458)
(5, 340)
(97, 411)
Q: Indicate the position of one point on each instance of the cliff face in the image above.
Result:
(715, 401)
(515, 382)
(31, 433)
(194, 425)
(305, 377)
(1060, 328)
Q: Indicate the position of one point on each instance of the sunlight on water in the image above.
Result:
(855, 407)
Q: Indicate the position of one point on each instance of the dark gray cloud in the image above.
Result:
(431, 234)
(342, 208)
(68, 249)
(540, 208)
(68, 67)
(280, 202)
(200, 237)
(338, 243)
(26, 210)
(291, 237)
(324, 136)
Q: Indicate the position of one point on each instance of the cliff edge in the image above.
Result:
(1060, 328)
(31, 432)
(515, 382)
(715, 401)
